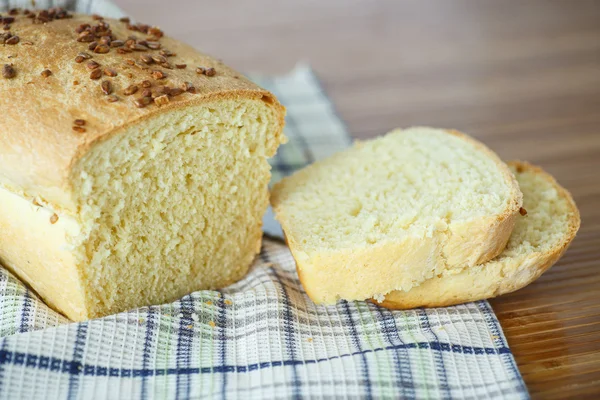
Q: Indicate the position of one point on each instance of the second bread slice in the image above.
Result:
(537, 242)
(393, 212)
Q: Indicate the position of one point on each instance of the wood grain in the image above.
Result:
(523, 77)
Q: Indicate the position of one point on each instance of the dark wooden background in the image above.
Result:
(521, 76)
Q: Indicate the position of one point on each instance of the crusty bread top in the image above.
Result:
(39, 140)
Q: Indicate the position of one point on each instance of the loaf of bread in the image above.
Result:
(394, 212)
(540, 237)
(133, 169)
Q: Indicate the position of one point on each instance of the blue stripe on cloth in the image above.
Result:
(74, 368)
(386, 335)
(288, 327)
(24, 323)
(185, 337)
(494, 327)
(150, 325)
(390, 331)
(222, 323)
(438, 356)
(2, 351)
(285, 168)
(356, 340)
(4, 280)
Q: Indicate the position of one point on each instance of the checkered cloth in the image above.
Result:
(261, 337)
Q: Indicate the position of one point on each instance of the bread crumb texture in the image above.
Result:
(173, 205)
(537, 242)
(390, 213)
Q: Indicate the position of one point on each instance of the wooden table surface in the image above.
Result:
(523, 77)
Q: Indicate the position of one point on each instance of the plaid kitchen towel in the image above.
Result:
(261, 337)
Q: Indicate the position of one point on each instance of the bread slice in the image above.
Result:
(539, 239)
(111, 203)
(390, 213)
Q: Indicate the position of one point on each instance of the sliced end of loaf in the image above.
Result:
(539, 239)
(173, 204)
(168, 206)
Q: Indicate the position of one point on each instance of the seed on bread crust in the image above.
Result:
(188, 87)
(162, 100)
(143, 101)
(110, 72)
(96, 74)
(8, 71)
(92, 65)
(156, 74)
(12, 40)
(102, 49)
(158, 58)
(147, 58)
(130, 90)
(206, 71)
(106, 87)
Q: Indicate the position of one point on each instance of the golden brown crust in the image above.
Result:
(484, 282)
(38, 143)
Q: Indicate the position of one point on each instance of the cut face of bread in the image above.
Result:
(393, 212)
(537, 242)
(173, 205)
(167, 206)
